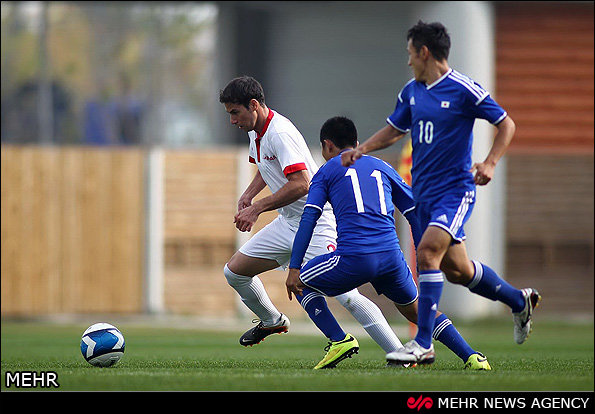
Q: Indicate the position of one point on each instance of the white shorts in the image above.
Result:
(275, 241)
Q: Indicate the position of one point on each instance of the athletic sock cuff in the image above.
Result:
(431, 276)
(477, 276)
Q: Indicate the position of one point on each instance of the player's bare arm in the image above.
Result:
(484, 171)
(254, 188)
(296, 187)
(383, 138)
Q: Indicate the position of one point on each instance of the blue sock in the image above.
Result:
(430, 290)
(488, 284)
(315, 304)
(445, 332)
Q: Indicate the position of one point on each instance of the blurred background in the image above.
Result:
(121, 173)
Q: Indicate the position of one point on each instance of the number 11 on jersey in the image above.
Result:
(359, 201)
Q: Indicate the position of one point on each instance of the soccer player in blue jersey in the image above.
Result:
(363, 198)
(439, 107)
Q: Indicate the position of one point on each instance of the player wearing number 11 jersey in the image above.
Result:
(363, 198)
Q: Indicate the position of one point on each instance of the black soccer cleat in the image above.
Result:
(257, 334)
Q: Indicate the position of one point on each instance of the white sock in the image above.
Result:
(254, 296)
(371, 318)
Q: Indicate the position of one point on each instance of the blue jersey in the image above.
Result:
(440, 117)
(363, 198)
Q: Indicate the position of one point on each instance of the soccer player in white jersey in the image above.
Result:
(286, 166)
(439, 107)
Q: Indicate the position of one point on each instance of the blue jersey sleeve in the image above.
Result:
(303, 236)
(401, 116)
(318, 191)
(416, 230)
(401, 194)
(479, 102)
(489, 110)
(317, 198)
(402, 198)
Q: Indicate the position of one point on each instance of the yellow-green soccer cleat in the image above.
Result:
(337, 351)
(478, 362)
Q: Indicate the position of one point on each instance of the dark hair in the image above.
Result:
(241, 90)
(340, 131)
(432, 35)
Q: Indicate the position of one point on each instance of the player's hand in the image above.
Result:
(484, 172)
(245, 218)
(244, 202)
(350, 156)
(293, 283)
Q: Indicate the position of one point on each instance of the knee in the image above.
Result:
(455, 277)
(460, 275)
(233, 279)
(351, 299)
(345, 299)
(428, 256)
(354, 301)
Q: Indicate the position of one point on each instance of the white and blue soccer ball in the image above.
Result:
(102, 345)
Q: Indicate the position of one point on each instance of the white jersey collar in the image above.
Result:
(437, 81)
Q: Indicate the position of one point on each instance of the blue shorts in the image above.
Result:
(333, 274)
(450, 213)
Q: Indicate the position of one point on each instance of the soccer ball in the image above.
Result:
(102, 345)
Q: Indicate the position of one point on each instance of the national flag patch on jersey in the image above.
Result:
(445, 104)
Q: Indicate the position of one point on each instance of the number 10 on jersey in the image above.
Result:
(426, 132)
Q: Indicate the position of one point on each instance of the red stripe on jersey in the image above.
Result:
(252, 160)
(257, 142)
(260, 135)
(293, 168)
(266, 124)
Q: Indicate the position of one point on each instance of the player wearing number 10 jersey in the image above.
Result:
(440, 117)
(439, 107)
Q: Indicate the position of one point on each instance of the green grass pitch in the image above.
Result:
(557, 357)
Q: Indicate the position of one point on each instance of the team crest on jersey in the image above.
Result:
(412, 100)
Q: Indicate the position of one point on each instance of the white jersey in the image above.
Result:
(279, 150)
